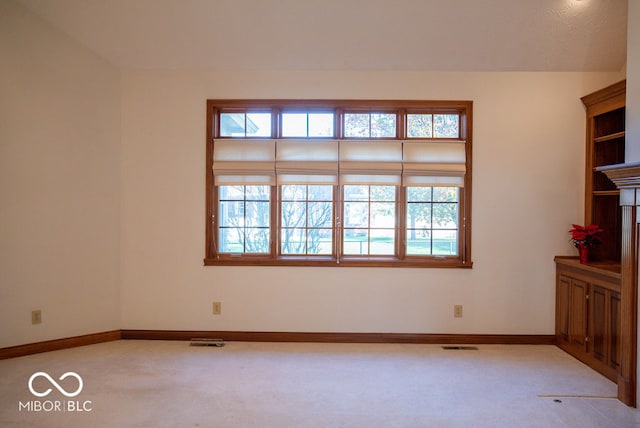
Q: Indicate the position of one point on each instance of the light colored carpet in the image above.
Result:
(170, 384)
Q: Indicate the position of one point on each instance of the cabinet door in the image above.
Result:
(599, 323)
(578, 312)
(604, 329)
(563, 292)
(614, 354)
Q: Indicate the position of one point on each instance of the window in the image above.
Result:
(432, 220)
(307, 124)
(370, 125)
(369, 220)
(306, 220)
(433, 125)
(339, 183)
(245, 124)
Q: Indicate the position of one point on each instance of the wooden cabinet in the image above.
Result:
(588, 313)
(605, 145)
(596, 303)
(588, 301)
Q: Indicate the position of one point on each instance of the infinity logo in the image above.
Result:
(54, 383)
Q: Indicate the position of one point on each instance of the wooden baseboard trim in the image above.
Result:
(255, 336)
(626, 391)
(54, 345)
(264, 336)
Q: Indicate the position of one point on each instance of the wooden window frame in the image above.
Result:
(336, 259)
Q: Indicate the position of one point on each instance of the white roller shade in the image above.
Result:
(244, 162)
(433, 163)
(371, 162)
(307, 161)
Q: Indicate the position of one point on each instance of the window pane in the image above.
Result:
(446, 126)
(232, 124)
(383, 125)
(383, 214)
(445, 242)
(294, 124)
(320, 214)
(258, 124)
(356, 214)
(445, 216)
(419, 216)
(256, 214)
(256, 240)
(419, 194)
(231, 192)
(294, 192)
(231, 240)
(320, 124)
(418, 242)
(356, 242)
(356, 125)
(294, 214)
(320, 193)
(419, 125)
(382, 242)
(445, 194)
(231, 214)
(383, 193)
(356, 193)
(293, 241)
(257, 193)
(320, 241)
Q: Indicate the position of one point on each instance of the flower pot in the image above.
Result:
(584, 253)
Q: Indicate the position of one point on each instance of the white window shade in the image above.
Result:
(371, 162)
(307, 162)
(244, 162)
(433, 163)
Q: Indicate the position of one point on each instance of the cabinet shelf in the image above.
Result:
(605, 145)
(609, 137)
(606, 193)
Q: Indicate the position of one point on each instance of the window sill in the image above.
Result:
(445, 262)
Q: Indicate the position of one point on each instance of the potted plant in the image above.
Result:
(584, 237)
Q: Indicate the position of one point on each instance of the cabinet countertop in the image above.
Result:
(606, 268)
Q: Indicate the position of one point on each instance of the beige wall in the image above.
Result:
(528, 175)
(59, 184)
(102, 189)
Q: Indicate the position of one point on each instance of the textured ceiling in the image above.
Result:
(444, 35)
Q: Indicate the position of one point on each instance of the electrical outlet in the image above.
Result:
(217, 308)
(457, 311)
(36, 316)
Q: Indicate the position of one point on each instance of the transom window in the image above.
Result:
(307, 124)
(245, 124)
(420, 125)
(339, 183)
(370, 125)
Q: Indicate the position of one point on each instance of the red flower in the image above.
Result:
(585, 235)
